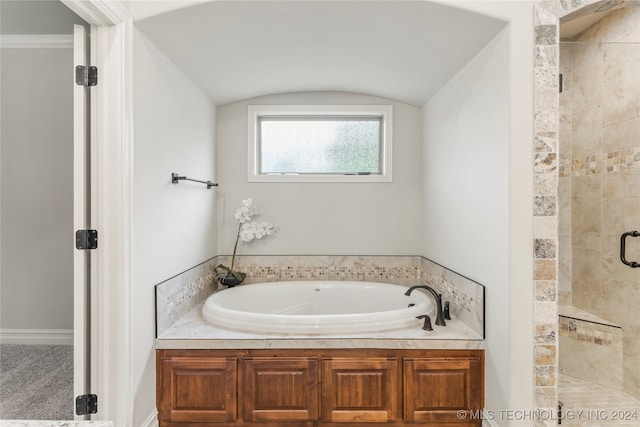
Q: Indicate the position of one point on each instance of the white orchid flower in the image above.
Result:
(245, 212)
(247, 231)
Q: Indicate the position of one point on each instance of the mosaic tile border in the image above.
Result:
(403, 270)
(613, 162)
(591, 332)
(180, 294)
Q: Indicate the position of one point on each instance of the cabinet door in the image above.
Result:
(359, 390)
(194, 389)
(280, 389)
(435, 389)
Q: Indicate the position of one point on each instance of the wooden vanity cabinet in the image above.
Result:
(316, 387)
(358, 390)
(196, 389)
(436, 389)
(280, 389)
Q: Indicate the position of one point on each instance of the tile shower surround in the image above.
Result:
(178, 295)
(591, 332)
(599, 344)
(546, 167)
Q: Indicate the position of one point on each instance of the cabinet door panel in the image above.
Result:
(359, 390)
(197, 389)
(282, 389)
(435, 389)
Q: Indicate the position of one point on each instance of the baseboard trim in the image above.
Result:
(37, 336)
(152, 420)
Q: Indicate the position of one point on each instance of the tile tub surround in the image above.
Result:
(466, 296)
(178, 295)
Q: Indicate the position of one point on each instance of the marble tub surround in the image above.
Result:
(465, 295)
(192, 331)
(178, 295)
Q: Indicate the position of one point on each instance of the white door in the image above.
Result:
(81, 221)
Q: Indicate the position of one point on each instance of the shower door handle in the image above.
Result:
(623, 244)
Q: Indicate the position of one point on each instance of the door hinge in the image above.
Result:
(86, 75)
(87, 404)
(87, 239)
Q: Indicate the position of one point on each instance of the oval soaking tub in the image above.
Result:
(317, 307)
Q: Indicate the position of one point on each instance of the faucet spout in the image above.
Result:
(438, 297)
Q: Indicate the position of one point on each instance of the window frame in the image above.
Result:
(386, 149)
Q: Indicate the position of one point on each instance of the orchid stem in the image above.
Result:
(235, 247)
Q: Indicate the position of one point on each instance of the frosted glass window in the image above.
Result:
(319, 143)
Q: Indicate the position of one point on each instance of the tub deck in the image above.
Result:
(193, 332)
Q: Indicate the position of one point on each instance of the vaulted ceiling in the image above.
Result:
(403, 50)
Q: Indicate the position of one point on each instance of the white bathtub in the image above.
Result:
(317, 307)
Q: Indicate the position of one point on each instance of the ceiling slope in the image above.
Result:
(402, 50)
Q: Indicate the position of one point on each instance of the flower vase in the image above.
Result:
(230, 281)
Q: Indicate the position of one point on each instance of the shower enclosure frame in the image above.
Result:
(548, 15)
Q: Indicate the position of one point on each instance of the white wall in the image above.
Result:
(478, 192)
(145, 9)
(37, 239)
(174, 225)
(324, 218)
(37, 17)
(466, 190)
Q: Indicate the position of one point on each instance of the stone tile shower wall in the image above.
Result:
(602, 343)
(180, 294)
(545, 212)
(545, 203)
(600, 176)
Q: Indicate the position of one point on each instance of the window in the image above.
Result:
(313, 143)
